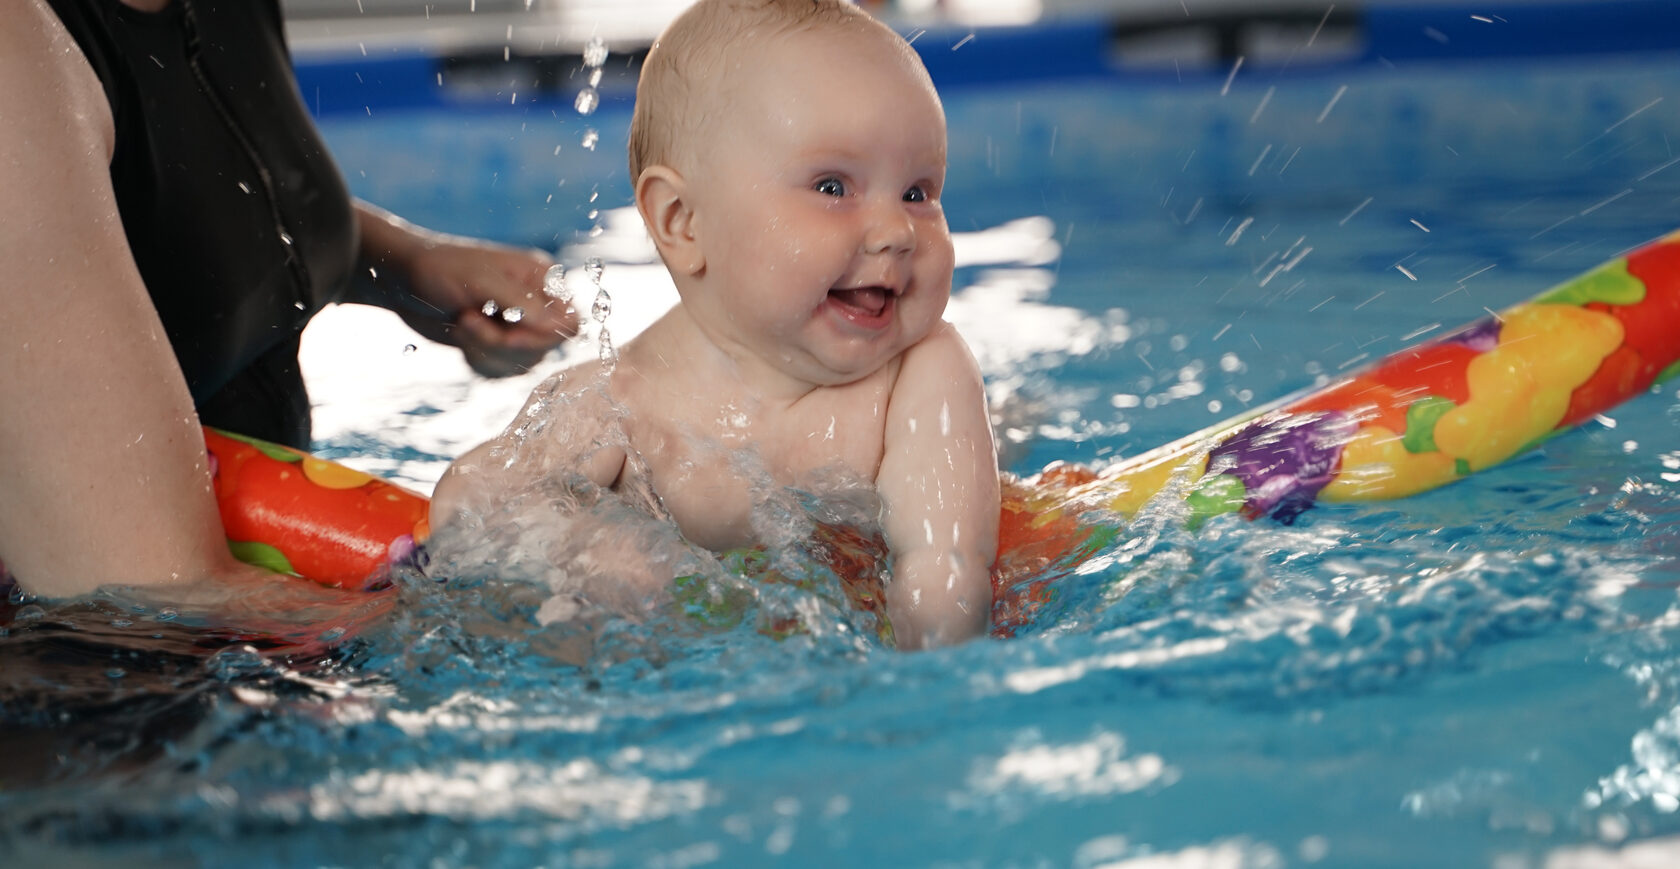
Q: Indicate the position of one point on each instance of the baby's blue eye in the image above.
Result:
(830, 187)
(915, 194)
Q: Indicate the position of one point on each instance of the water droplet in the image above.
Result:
(168, 613)
(602, 309)
(587, 100)
(489, 308)
(595, 77)
(593, 213)
(30, 613)
(122, 623)
(513, 314)
(331, 634)
(609, 356)
(286, 239)
(595, 53)
(596, 231)
(594, 267)
(235, 661)
(408, 349)
(554, 283)
(116, 673)
(590, 137)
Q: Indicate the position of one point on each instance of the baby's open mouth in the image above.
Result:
(867, 300)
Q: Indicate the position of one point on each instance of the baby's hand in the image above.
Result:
(939, 484)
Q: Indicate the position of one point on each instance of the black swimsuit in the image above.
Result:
(237, 217)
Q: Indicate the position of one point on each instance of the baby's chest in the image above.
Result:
(712, 485)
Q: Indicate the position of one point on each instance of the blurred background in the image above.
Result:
(463, 23)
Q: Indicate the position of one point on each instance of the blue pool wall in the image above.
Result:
(1455, 100)
(1086, 47)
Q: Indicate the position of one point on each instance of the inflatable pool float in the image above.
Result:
(1417, 419)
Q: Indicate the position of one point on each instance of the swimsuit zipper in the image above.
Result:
(288, 241)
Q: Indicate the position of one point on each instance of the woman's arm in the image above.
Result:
(103, 475)
(440, 283)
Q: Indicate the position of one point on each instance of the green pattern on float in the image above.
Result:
(1609, 283)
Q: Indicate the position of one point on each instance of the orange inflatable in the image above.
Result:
(294, 513)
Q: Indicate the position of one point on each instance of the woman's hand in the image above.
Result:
(482, 297)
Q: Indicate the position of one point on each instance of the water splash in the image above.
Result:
(589, 97)
(595, 53)
(554, 283)
(600, 310)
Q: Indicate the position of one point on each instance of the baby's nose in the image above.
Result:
(890, 230)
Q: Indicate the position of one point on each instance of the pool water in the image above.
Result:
(1487, 674)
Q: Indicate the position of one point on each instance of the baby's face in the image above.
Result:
(816, 192)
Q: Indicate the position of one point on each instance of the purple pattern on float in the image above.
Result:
(1480, 336)
(1284, 460)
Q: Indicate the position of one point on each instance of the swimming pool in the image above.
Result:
(1484, 675)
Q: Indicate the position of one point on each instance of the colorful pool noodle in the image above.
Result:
(1422, 417)
(294, 513)
(1417, 419)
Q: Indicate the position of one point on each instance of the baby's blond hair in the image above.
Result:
(671, 96)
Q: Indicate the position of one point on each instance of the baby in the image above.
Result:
(788, 157)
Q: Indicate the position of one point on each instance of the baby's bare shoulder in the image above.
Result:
(563, 428)
(942, 354)
(563, 416)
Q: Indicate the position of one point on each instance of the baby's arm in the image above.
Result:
(556, 429)
(939, 484)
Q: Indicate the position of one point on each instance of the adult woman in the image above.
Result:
(172, 221)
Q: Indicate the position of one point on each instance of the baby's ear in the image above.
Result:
(662, 198)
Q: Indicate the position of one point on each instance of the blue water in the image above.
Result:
(1487, 674)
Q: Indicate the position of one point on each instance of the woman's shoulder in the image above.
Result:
(52, 100)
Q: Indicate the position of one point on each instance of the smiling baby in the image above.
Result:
(788, 158)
